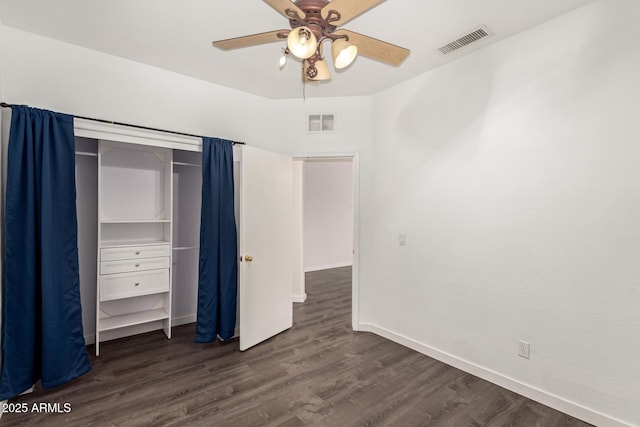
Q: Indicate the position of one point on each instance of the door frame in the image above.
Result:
(355, 185)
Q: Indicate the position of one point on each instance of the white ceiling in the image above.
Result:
(177, 35)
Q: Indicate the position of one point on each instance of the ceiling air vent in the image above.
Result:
(472, 37)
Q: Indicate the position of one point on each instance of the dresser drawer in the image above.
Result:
(134, 252)
(126, 285)
(131, 265)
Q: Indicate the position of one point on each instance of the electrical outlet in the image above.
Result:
(523, 349)
(402, 239)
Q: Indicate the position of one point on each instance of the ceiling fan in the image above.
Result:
(315, 21)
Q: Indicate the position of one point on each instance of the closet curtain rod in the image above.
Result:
(5, 105)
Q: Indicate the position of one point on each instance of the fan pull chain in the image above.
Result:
(304, 84)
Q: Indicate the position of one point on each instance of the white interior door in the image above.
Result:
(266, 237)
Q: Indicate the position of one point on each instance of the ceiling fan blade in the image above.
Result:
(282, 5)
(348, 9)
(376, 49)
(251, 40)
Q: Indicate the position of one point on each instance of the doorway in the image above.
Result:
(326, 219)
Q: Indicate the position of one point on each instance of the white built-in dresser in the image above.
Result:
(134, 277)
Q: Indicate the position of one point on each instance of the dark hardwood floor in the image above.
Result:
(317, 373)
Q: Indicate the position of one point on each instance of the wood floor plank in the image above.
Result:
(318, 373)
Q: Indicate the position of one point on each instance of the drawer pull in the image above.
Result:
(137, 252)
(137, 265)
(136, 284)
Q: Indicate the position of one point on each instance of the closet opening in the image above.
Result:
(181, 222)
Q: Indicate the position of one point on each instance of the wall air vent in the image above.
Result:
(320, 123)
(469, 38)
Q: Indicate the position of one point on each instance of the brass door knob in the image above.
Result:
(248, 258)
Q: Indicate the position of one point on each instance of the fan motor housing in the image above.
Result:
(313, 17)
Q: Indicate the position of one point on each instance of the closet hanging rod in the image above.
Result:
(5, 105)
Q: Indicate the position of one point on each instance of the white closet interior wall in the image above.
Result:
(87, 210)
(187, 189)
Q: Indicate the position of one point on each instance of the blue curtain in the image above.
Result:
(42, 317)
(218, 269)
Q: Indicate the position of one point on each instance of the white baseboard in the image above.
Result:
(328, 266)
(89, 339)
(29, 390)
(183, 320)
(299, 298)
(561, 404)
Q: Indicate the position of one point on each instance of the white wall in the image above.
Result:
(49, 74)
(87, 212)
(298, 292)
(46, 73)
(187, 192)
(514, 173)
(327, 214)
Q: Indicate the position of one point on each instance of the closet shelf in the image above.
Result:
(134, 221)
(197, 165)
(86, 153)
(124, 243)
(115, 322)
(185, 248)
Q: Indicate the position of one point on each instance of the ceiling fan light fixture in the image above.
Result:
(323, 70)
(344, 53)
(313, 22)
(283, 58)
(302, 43)
(320, 70)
